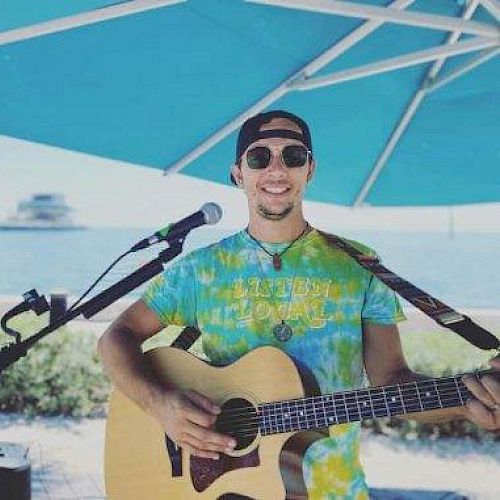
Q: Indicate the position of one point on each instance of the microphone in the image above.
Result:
(209, 213)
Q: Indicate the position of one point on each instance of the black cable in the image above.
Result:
(73, 306)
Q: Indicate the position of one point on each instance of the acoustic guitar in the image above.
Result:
(270, 404)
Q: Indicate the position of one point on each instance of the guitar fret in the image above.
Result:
(379, 407)
(275, 414)
(303, 413)
(437, 392)
(385, 402)
(410, 397)
(401, 397)
(325, 416)
(462, 401)
(366, 404)
(345, 407)
(283, 414)
(418, 395)
(291, 412)
(449, 397)
(361, 404)
(340, 408)
(393, 399)
(262, 419)
(333, 419)
(353, 411)
(286, 417)
(427, 397)
(357, 404)
(312, 413)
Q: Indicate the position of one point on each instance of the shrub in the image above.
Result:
(60, 375)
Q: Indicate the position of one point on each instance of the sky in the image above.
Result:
(108, 193)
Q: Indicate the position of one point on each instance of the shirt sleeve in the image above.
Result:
(381, 305)
(172, 295)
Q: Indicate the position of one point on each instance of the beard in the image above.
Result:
(269, 215)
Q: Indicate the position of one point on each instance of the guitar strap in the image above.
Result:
(443, 314)
(186, 338)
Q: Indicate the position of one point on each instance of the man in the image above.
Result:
(281, 283)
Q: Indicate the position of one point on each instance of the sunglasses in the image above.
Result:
(293, 156)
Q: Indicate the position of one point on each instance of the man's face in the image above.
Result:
(275, 191)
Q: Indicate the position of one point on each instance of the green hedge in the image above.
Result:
(62, 375)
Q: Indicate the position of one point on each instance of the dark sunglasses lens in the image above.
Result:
(258, 157)
(294, 155)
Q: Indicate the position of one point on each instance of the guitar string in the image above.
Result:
(266, 428)
(445, 398)
(318, 422)
(415, 402)
(277, 427)
(272, 409)
(374, 393)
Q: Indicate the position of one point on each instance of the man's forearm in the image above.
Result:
(126, 365)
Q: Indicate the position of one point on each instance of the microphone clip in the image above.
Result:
(32, 302)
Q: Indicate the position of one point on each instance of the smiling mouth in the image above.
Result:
(275, 190)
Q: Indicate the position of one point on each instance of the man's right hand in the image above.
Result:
(188, 418)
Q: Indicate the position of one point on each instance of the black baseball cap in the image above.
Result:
(250, 131)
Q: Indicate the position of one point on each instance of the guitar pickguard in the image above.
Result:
(205, 471)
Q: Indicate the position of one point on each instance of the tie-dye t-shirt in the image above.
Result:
(231, 292)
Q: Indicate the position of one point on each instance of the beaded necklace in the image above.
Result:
(276, 256)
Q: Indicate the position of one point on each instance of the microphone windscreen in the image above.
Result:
(211, 212)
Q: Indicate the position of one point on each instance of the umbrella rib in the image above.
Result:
(419, 19)
(410, 111)
(83, 19)
(473, 62)
(391, 64)
(493, 7)
(312, 67)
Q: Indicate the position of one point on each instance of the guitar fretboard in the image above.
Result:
(361, 404)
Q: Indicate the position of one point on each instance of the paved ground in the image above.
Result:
(67, 460)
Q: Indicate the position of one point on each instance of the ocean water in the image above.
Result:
(462, 271)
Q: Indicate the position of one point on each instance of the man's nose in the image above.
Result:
(276, 163)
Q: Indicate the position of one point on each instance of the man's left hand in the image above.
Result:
(484, 408)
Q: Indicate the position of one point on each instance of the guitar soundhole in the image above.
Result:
(238, 419)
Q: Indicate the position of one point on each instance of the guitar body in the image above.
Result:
(138, 465)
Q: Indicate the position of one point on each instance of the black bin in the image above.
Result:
(15, 472)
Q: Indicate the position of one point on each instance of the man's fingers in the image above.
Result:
(479, 390)
(203, 402)
(197, 416)
(480, 415)
(495, 363)
(197, 451)
(211, 440)
(492, 385)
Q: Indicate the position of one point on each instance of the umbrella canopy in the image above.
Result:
(402, 97)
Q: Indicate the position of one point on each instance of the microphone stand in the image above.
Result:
(10, 353)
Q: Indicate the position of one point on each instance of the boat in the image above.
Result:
(44, 211)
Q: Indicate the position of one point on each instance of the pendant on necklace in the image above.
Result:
(277, 262)
(282, 331)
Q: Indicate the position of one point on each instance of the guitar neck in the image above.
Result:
(362, 404)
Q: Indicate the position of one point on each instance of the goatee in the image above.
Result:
(267, 214)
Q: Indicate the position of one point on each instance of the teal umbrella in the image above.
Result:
(402, 97)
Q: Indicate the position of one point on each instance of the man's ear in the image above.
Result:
(311, 169)
(236, 173)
